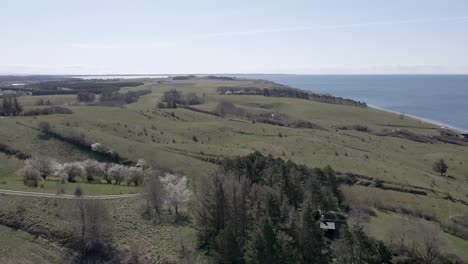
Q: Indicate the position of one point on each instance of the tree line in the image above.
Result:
(77, 86)
(115, 98)
(285, 91)
(10, 106)
(173, 98)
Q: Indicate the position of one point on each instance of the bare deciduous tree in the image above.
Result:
(429, 249)
(93, 228)
(154, 192)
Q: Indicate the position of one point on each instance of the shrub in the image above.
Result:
(8, 150)
(45, 127)
(31, 176)
(48, 111)
(86, 96)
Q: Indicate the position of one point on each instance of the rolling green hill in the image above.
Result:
(393, 176)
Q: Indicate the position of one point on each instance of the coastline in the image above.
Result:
(422, 119)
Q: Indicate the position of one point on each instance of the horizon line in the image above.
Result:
(174, 74)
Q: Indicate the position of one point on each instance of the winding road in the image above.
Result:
(67, 196)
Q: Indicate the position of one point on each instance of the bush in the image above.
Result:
(31, 176)
(45, 127)
(48, 111)
(173, 98)
(86, 97)
(13, 152)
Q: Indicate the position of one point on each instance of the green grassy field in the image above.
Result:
(165, 137)
(25, 248)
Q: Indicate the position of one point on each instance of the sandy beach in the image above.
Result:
(422, 119)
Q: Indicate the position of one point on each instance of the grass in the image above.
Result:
(389, 227)
(27, 249)
(165, 137)
(162, 237)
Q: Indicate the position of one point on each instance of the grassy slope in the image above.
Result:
(390, 159)
(26, 249)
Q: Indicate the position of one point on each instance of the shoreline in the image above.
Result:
(422, 119)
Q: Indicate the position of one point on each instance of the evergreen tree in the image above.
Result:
(227, 247)
(356, 247)
(263, 247)
(312, 245)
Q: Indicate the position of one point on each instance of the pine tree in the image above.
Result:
(263, 247)
(312, 245)
(227, 247)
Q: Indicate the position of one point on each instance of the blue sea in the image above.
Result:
(441, 98)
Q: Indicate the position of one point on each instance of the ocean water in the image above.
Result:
(441, 98)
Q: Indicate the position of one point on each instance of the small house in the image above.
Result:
(330, 223)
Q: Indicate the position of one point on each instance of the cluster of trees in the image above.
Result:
(285, 91)
(77, 86)
(48, 111)
(183, 77)
(86, 96)
(356, 247)
(222, 78)
(10, 106)
(172, 98)
(166, 191)
(41, 101)
(116, 98)
(278, 91)
(40, 167)
(261, 209)
(326, 98)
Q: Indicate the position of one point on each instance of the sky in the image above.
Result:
(256, 36)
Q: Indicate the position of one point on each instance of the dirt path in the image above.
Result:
(67, 196)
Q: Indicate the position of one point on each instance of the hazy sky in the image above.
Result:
(310, 36)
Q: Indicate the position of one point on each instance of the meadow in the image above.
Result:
(186, 142)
